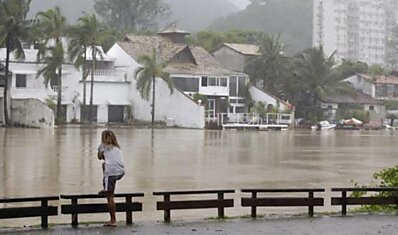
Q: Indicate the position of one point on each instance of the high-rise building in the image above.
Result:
(356, 30)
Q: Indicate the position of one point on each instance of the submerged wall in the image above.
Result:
(31, 113)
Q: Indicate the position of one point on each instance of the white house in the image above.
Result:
(236, 56)
(193, 71)
(378, 87)
(111, 87)
(115, 94)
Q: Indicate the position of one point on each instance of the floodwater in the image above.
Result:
(38, 162)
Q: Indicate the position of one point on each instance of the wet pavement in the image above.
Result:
(326, 225)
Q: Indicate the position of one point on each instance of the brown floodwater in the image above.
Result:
(39, 162)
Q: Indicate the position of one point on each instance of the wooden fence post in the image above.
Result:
(311, 208)
(129, 214)
(167, 211)
(254, 208)
(220, 209)
(344, 202)
(74, 215)
(44, 218)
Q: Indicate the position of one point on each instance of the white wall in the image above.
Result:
(259, 95)
(31, 113)
(362, 85)
(176, 107)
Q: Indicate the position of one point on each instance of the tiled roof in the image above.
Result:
(205, 64)
(245, 49)
(173, 29)
(357, 98)
(381, 79)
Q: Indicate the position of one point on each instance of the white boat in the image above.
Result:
(323, 125)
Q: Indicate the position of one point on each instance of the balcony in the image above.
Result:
(106, 72)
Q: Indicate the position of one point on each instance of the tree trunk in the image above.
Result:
(59, 98)
(153, 101)
(83, 111)
(92, 82)
(6, 86)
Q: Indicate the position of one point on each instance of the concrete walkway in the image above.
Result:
(336, 225)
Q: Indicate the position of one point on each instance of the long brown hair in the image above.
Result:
(108, 138)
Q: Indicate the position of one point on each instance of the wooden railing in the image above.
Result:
(254, 201)
(345, 200)
(74, 208)
(43, 211)
(167, 204)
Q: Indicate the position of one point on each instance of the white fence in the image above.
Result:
(250, 118)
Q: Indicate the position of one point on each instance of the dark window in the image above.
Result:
(330, 106)
(64, 110)
(242, 86)
(224, 82)
(187, 84)
(212, 81)
(115, 113)
(232, 86)
(87, 110)
(54, 81)
(20, 81)
(204, 81)
(371, 108)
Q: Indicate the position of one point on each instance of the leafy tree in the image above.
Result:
(392, 117)
(14, 28)
(146, 77)
(376, 70)
(314, 80)
(210, 40)
(269, 66)
(130, 14)
(52, 25)
(349, 68)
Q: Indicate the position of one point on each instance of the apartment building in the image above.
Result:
(357, 30)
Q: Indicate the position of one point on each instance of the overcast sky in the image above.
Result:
(242, 4)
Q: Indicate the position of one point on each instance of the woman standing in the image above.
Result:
(113, 169)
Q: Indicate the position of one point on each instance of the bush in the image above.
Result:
(384, 178)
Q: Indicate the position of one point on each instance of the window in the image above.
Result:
(224, 82)
(371, 108)
(212, 81)
(204, 81)
(20, 81)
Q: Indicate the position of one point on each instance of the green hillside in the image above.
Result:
(72, 9)
(191, 15)
(195, 15)
(291, 18)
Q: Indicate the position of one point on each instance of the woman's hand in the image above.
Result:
(100, 156)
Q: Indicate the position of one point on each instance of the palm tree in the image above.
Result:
(77, 50)
(13, 29)
(315, 80)
(146, 77)
(95, 36)
(52, 26)
(269, 65)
